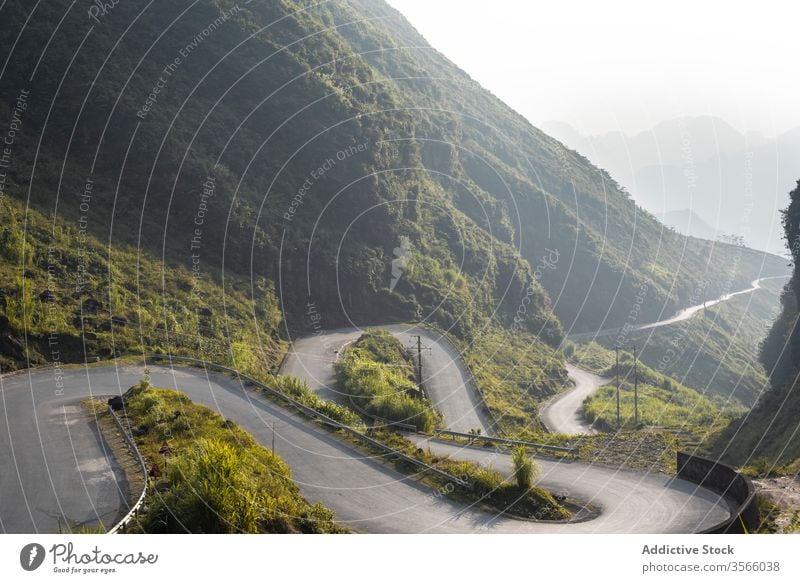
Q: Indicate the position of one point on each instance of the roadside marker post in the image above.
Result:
(616, 368)
(635, 388)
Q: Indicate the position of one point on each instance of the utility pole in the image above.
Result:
(419, 359)
(635, 388)
(273, 438)
(616, 369)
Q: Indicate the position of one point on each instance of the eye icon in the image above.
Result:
(31, 556)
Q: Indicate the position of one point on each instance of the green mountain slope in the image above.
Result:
(67, 297)
(714, 351)
(314, 166)
(772, 430)
(313, 140)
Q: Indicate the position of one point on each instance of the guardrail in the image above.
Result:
(120, 526)
(22, 371)
(532, 445)
(314, 414)
(726, 481)
(387, 422)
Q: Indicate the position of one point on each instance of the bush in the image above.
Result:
(212, 491)
(383, 389)
(486, 480)
(525, 469)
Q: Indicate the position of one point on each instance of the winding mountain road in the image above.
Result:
(680, 316)
(562, 413)
(57, 472)
(631, 501)
(448, 385)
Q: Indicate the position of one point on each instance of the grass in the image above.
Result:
(525, 469)
(764, 467)
(675, 407)
(69, 297)
(219, 478)
(663, 402)
(653, 451)
(714, 353)
(299, 390)
(376, 371)
(487, 486)
(515, 372)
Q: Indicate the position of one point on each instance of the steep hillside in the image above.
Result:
(712, 352)
(66, 297)
(772, 428)
(314, 142)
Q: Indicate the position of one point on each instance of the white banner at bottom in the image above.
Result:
(399, 558)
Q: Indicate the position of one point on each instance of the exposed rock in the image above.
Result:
(116, 403)
(47, 296)
(90, 306)
(11, 347)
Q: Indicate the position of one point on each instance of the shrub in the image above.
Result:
(377, 372)
(210, 491)
(486, 480)
(525, 469)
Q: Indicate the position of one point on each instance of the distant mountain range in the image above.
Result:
(734, 182)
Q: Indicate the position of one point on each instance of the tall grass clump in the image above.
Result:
(525, 469)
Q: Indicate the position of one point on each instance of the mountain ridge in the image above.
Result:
(506, 227)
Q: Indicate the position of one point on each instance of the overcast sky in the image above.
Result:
(625, 65)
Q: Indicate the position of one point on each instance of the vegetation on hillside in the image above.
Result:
(313, 154)
(410, 151)
(663, 402)
(769, 432)
(66, 297)
(713, 352)
(218, 478)
(377, 373)
(591, 246)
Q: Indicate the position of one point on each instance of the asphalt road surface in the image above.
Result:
(630, 501)
(55, 472)
(447, 384)
(562, 414)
